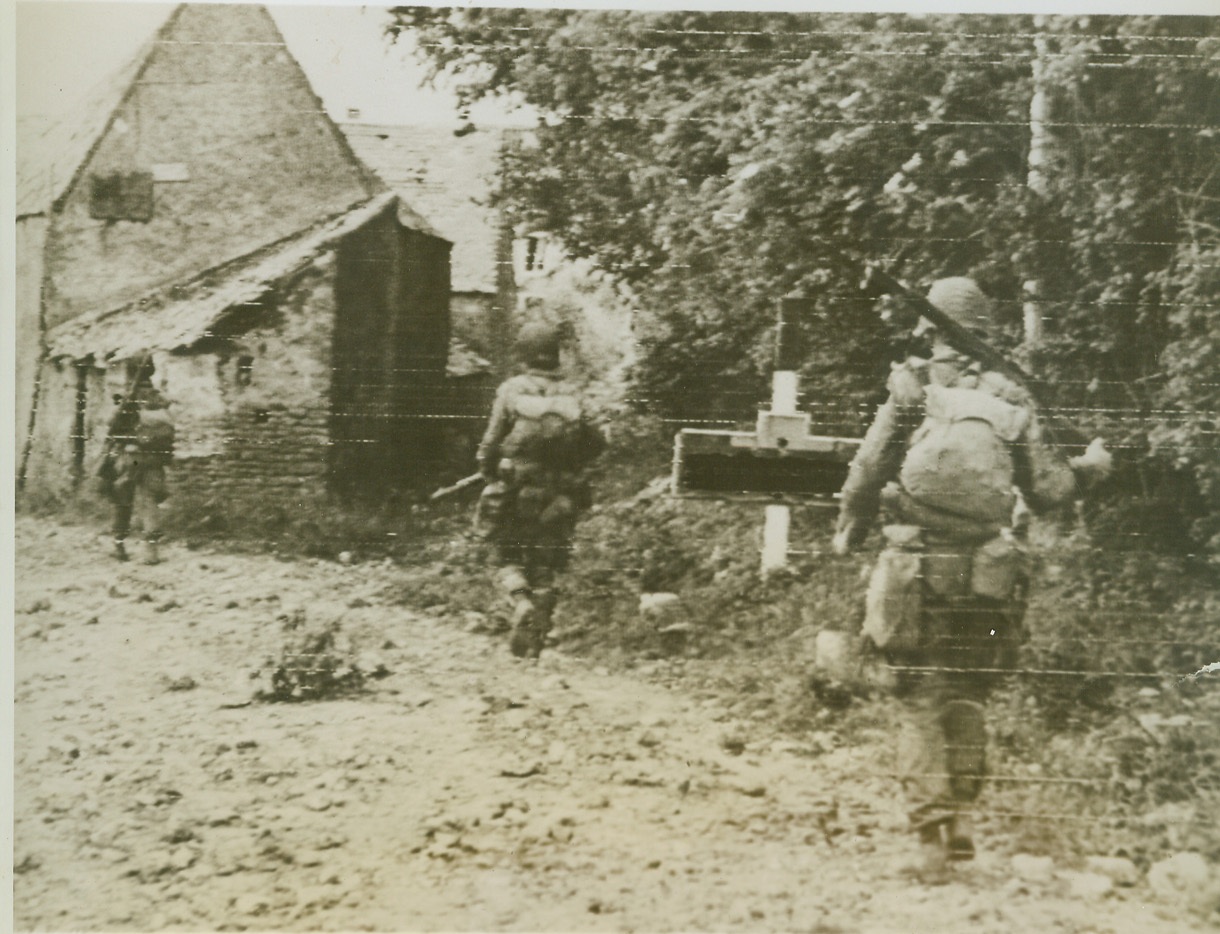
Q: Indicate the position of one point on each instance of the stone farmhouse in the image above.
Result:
(209, 224)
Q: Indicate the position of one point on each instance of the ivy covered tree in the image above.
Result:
(714, 162)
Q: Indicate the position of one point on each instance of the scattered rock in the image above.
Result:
(357, 603)
(223, 819)
(1088, 884)
(182, 683)
(181, 834)
(649, 740)
(91, 621)
(651, 603)
(733, 744)
(1183, 877)
(1033, 868)
(182, 857)
(836, 654)
(168, 605)
(27, 863)
(317, 803)
(1119, 869)
(38, 606)
(251, 904)
(1157, 726)
(309, 858)
(319, 896)
(523, 771)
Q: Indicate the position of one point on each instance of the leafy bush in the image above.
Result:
(714, 162)
(317, 662)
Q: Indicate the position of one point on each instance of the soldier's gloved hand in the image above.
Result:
(1096, 461)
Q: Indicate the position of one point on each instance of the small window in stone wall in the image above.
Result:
(121, 196)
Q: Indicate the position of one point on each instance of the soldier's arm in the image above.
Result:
(498, 427)
(877, 461)
(1048, 478)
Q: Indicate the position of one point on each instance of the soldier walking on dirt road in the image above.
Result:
(954, 460)
(533, 455)
(139, 447)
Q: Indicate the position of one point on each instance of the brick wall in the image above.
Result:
(253, 415)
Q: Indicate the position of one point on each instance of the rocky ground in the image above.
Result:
(464, 790)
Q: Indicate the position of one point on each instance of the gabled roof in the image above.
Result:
(175, 317)
(49, 151)
(447, 178)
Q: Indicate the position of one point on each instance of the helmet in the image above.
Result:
(538, 346)
(148, 397)
(961, 299)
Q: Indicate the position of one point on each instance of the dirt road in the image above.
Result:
(467, 790)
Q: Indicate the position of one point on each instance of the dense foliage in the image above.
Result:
(713, 162)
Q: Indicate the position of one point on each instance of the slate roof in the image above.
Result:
(449, 179)
(175, 317)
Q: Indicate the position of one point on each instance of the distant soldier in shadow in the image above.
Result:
(533, 456)
(139, 448)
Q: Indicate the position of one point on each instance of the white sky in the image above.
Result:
(64, 48)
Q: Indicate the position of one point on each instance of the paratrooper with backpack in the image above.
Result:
(139, 448)
(954, 461)
(533, 455)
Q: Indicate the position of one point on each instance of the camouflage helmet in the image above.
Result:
(538, 345)
(961, 299)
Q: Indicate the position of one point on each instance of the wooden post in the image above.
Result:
(784, 386)
(1039, 162)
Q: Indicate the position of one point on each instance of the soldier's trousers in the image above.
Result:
(970, 644)
(138, 496)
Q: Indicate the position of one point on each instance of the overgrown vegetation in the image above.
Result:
(317, 661)
(713, 162)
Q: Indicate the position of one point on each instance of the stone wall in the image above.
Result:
(241, 153)
(253, 414)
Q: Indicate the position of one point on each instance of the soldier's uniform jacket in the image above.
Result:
(1040, 473)
(497, 444)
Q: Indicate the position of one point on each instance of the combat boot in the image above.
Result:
(544, 611)
(521, 643)
(931, 867)
(120, 550)
(152, 552)
(961, 838)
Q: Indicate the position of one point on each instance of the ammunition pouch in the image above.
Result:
(911, 567)
(1000, 569)
(153, 480)
(107, 474)
(494, 503)
(893, 606)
